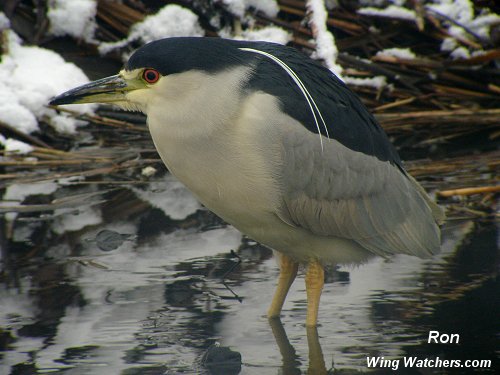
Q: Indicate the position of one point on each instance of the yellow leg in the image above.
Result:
(288, 271)
(315, 279)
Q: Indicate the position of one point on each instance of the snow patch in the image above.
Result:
(4, 22)
(461, 12)
(75, 18)
(392, 11)
(461, 23)
(326, 49)
(460, 53)
(65, 124)
(148, 171)
(448, 44)
(29, 77)
(238, 7)
(377, 82)
(13, 146)
(170, 21)
(331, 4)
(399, 53)
(268, 34)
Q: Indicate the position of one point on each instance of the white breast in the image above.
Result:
(211, 140)
(228, 150)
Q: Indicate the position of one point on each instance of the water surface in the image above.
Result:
(163, 287)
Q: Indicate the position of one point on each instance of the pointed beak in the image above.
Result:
(105, 90)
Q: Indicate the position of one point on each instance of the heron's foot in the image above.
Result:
(288, 272)
(315, 279)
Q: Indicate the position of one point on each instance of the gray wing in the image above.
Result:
(335, 191)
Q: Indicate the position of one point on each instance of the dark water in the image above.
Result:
(161, 286)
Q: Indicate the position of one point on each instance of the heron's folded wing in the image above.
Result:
(334, 191)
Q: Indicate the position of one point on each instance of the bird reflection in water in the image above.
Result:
(291, 363)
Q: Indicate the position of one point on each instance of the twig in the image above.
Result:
(231, 269)
(23, 136)
(470, 191)
(102, 120)
(449, 19)
(395, 104)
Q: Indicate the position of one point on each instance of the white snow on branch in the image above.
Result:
(462, 24)
(75, 18)
(170, 21)
(238, 7)
(4, 22)
(326, 49)
(399, 53)
(268, 34)
(268, 7)
(460, 53)
(392, 11)
(377, 82)
(29, 77)
(462, 13)
(13, 146)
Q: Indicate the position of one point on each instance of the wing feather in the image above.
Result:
(344, 193)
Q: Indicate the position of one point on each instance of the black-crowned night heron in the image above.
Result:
(276, 145)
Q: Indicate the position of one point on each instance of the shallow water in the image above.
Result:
(76, 300)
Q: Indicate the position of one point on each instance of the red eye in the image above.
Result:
(151, 75)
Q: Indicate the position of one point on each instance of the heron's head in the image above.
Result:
(164, 69)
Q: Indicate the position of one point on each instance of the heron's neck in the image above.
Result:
(196, 104)
(192, 123)
(212, 142)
